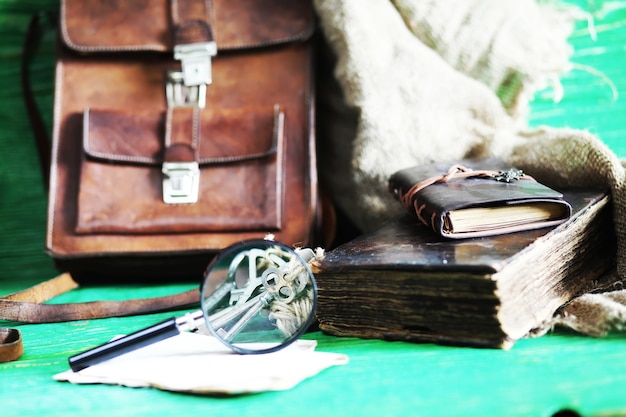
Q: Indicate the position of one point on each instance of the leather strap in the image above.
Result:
(192, 21)
(26, 307)
(460, 172)
(182, 134)
(42, 140)
(11, 346)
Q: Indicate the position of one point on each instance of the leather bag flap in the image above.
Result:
(148, 25)
(222, 136)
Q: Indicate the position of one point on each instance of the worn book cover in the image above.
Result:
(405, 282)
(477, 198)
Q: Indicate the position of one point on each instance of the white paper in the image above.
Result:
(197, 363)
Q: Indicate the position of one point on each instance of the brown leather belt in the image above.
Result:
(27, 306)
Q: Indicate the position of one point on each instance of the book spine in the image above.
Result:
(401, 187)
(426, 213)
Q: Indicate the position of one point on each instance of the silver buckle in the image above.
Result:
(180, 95)
(180, 182)
(196, 61)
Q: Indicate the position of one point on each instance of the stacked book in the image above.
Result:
(489, 284)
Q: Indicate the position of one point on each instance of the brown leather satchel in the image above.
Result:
(180, 127)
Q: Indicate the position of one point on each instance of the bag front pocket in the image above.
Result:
(233, 158)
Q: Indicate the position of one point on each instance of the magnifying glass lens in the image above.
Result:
(259, 296)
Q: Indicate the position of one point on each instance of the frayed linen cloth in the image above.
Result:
(405, 82)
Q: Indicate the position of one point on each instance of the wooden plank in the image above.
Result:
(537, 377)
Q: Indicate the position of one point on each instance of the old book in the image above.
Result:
(479, 197)
(405, 282)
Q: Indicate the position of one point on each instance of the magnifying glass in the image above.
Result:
(258, 296)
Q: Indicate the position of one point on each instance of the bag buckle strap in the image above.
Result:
(180, 95)
(180, 168)
(180, 182)
(196, 62)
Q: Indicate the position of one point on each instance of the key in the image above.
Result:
(274, 283)
(253, 309)
(281, 281)
(254, 280)
(221, 318)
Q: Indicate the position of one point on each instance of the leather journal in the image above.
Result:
(476, 198)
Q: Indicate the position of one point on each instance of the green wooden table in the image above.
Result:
(561, 372)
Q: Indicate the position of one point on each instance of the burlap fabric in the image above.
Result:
(414, 81)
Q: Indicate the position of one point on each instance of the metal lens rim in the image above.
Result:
(249, 244)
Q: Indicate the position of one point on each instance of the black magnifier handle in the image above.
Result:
(133, 341)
